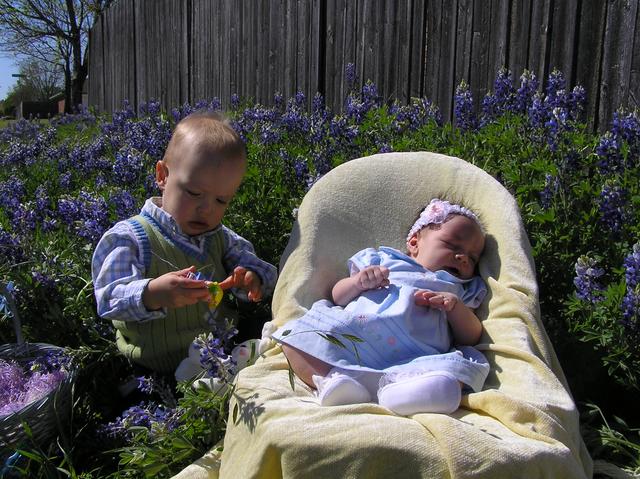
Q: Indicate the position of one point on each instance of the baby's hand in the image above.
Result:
(434, 299)
(246, 280)
(372, 277)
(174, 290)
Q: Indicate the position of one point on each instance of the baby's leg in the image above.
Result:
(434, 392)
(335, 386)
(304, 365)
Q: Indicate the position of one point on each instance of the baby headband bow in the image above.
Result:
(436, 212)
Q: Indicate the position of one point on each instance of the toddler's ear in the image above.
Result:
(161, 174)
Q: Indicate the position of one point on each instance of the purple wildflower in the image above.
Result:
(551, 188)
(350, 75)
(613, 207)
(631, 301)
(463, 108)
(528, 88)
(587, 283)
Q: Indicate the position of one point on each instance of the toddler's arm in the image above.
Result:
(465, 325)
(174, 290)
(258, 277)
(370, 277)
(121, 288)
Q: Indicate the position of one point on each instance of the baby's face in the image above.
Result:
(196, 190)
(454, 246)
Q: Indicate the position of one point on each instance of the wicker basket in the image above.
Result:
(45, 415)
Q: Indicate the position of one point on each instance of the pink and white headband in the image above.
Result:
(437, 212)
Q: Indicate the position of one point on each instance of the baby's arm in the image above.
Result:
(465, 325)
(370, 277)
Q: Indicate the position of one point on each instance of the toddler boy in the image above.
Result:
(141, 267)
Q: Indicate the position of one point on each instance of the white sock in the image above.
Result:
(435, 392)
(339, 387)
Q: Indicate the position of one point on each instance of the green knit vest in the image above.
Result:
(160, 344)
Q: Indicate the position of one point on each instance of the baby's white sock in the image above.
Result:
(435, 392)
(340, 387)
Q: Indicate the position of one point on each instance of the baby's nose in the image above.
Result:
(462, 257)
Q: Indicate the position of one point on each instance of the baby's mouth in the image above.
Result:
(453, 271)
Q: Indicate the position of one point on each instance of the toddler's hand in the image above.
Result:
(246, 280)
(434, 299)
(372, 277)
(173, 290)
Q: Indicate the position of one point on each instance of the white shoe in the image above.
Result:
(434, 392)
(337, 388)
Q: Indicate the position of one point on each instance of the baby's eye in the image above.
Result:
(193, 193)
(222, 201)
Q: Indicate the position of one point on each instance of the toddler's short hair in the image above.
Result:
(211, 133)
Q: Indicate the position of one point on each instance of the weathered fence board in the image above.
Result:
(185, 50)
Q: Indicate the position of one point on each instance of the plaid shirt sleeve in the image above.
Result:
(118, 273)
(240, 252)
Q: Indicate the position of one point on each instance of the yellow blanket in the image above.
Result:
(523, 424)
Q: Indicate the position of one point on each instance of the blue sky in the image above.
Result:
(7, 67)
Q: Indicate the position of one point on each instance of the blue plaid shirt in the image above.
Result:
(118, 268)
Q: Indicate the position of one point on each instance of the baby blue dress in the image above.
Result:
(398, 337)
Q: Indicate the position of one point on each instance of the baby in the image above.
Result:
(395, 318)
(144, 268)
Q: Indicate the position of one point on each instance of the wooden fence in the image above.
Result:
(184, 50)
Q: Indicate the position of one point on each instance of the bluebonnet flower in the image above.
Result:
(463, 108)
(65, 180)
(10, 248)
(213, 358)
(626, 127)
(385, 148)
(295, 120)
(148, 415)
(556, 124)
(631, 302)
(610, 158)
(127, 167)
(555, 83)
(551, 188)
(269, 134)
(100, 181)
(235, 101)
(12, 192)
(86, 215)
(278, 100)
(576, 102)
(537, 112)
(587, 282)
(300, 99)
(502, 100)
(612, 206)
(301, 168)
(528, 87)
(350, 75)
(44, 280)
(145, 384)
(22, 129)
(415, 115)
(125, 204)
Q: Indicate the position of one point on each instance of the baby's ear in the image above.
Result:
(162, 172)
(412, 245)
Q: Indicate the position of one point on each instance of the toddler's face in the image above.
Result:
(454, 246)
(196, 191)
